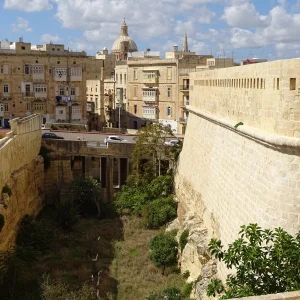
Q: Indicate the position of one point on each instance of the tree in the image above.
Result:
(150, 150)
(266, 262)
(86, 194)
(163, 250)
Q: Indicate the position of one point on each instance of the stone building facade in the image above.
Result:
(47, 80)
(242, 175)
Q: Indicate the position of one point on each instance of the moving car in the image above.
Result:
(114, 139)
(50, 135)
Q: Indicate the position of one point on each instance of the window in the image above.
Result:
(40, 88)
(58, 62)
(38, 106)
(116, 78)
(169, 111)
(277, 83)
(61, 91)
(37, 69)
(60, 112)
(26, 69)
(149, 112)
(6, 108)
(135, 74)
(169, 73)
(96, 102)
(135, 109)
(76, 72)
(124, 93)
(96, 90)
(5, 88)
(73, 91)
(135, 91)
(4, 69)
(292, 84)
(169, 92)
(28, 106)
(23, 48)
(124, 78)
(60, 72)
(120, 78)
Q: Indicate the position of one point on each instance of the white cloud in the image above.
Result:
(244, 14)
(49, 38)
(21, 25)
(27, 5)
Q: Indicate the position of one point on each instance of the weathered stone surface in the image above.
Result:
(27, 187)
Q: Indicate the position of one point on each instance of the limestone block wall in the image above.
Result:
(227, 178)
(265, 95)
(27, 187)
(20, 146)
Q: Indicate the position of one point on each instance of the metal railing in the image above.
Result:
(184, 87)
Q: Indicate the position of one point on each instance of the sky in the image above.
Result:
(224, 28)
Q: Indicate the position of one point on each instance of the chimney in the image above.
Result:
(175, 48)
(20, 39)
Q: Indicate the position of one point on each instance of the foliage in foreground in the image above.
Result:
(266, 262)
(159, 212)
(133, 197)
(163, 250)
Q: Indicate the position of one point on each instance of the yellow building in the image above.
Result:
(44, 79)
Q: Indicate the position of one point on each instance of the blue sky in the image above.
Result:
(239, 28)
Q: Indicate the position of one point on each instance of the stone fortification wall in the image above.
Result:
(265, 96)
(20, 146)
(229, 177)
(22, 172)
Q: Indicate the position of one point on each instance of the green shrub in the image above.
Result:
(6, 190)
(86, 195)
(159, 212)
(34, 235)
(186, 274)
(66, 213)
(163, 250)
(44, 153)
(2, 221)
(53, 127)
(183, 239)
(187, 289)
(135, 195)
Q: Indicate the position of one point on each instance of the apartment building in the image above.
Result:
(44, 79)
(158, 89)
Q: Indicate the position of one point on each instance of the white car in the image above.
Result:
(172, 142)
(114, 139)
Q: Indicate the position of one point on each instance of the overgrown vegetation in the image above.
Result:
(6, 190)
(266, 262)
(44, 153)
(171, 293)
(183, 239)
(53, 127)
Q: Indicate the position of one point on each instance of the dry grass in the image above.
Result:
(70, 260)
(137, 276)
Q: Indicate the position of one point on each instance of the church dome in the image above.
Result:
(124, 38)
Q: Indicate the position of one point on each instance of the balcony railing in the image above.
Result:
(5, 96)
(28, 94)
(184, 87)
(151, 99)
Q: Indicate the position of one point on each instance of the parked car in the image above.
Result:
(50, 135)
(173, 142)
(114, 139)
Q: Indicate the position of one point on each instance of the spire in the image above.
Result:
(185, 43)
(124, 28)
